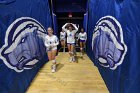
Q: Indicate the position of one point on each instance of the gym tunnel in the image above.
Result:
(110, 65)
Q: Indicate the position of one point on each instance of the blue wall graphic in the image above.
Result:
(22, 51)
(114, 39)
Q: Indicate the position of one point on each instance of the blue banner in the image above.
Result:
(85, 22)
(114, 39)
(22, 50)
(55, 28)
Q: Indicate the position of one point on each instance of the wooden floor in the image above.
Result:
(80, 77)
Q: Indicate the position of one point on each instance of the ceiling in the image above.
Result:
(69, 5)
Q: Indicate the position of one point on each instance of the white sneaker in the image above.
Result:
(70, 59)
(73, 59)
(53, 68)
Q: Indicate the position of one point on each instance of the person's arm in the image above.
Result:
(86, 36)
(46, 42)
(64, 27)
(75, 27)
(78, 36)
(56, 42)
(60, 35)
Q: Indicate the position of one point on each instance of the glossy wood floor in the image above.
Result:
(79, 77)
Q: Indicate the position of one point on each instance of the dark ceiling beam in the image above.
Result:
(70, 18)
(65, 5)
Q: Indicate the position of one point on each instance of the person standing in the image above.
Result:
(82, 37)
(71, 31)
(51, 42)
(63, 39)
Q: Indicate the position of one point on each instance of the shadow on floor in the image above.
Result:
(79, 57)
(59, 66)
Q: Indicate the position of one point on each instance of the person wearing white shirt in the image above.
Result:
(63, 39)
(51, 42)
(70, 31)
(82, 37)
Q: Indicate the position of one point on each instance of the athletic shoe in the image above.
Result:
(53, 68)
(71, 59)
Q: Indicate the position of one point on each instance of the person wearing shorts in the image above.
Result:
(63, 39)
(82, 37)
(51, 42)
(70, 31)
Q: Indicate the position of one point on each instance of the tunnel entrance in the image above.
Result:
(64, 11)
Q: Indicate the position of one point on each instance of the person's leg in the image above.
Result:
(49, 55)
(54, 60)
(76, 42)
(81, 48)
(84, 44)
(54, 54)
(64, 45)
(72, 52)
(50, 59)
(69, 49)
